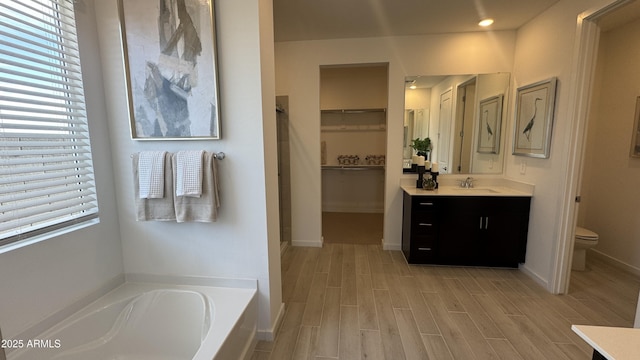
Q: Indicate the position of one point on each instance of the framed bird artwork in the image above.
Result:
(489, 125)
(534, 119)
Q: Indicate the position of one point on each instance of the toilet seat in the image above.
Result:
(585, 234)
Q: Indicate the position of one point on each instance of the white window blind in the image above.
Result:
(46, 174)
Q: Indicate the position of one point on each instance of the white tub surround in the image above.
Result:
(153, 321)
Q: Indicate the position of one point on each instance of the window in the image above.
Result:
(46, 173)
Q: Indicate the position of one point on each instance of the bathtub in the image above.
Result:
(151, 321)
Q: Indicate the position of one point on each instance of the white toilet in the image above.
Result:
(585, 239)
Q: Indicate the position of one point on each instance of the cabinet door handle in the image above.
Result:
(486, 223)
(424, 249)
(480, 222)
(425, 224)
(426, 204)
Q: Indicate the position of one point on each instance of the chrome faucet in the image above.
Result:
(467, 183)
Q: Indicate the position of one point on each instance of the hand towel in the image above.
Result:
(151, 174)
(189, 173)
(161, 209)
(205, 207)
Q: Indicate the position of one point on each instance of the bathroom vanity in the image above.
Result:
(456, 226)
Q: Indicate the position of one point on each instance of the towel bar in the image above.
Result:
(220, 155)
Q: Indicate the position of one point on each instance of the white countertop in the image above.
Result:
(612, 342)
(448, 190)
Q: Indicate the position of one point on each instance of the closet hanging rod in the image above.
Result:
(352, 111)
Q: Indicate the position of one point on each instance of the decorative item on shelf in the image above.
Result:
(420, 180)
(420, 162)
(374, 159)
(434, 173)
(422, 146)
(429, 184)
(348, 159)
(414, 163)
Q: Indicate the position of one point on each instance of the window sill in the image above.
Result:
(51, 234)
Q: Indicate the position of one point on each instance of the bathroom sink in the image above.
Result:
(475, 190)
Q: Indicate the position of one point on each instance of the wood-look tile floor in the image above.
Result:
(347, 301)
(352, 228)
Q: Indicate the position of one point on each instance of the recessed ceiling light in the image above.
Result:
(485, 22)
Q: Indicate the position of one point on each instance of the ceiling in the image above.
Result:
(298, 20)
(621, 16)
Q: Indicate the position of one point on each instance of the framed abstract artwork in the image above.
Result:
(169, 49)
(534, 119)
(490, 124)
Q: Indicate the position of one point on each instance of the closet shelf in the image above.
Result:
(352, 111)
(353, 167)
(329, 128)
(353, 120)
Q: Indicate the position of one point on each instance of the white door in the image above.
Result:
(444, 132)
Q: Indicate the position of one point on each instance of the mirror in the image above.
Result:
(463, 115)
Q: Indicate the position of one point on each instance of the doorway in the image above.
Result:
(462, 141)
(353, 120)
(444, 132)
(591, 27)
(284, 174)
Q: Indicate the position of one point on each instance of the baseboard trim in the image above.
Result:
(388, 246)
(270, 334)
(618, 264)
(306, 243)
(533, 275)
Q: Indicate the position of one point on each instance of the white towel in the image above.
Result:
(189, 173)
(151, 174)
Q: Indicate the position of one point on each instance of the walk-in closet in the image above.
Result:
(353, 102)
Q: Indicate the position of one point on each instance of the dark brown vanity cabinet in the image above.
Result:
(465, 230)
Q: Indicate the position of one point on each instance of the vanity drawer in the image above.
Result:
(423, 249)
(424, 225)
(424, 205)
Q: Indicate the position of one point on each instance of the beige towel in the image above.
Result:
(155, 209)
(205, 207)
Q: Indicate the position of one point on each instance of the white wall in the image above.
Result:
(545, 48)
(46, 277)
(244, 242)
(610, 186)
(298, 75)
